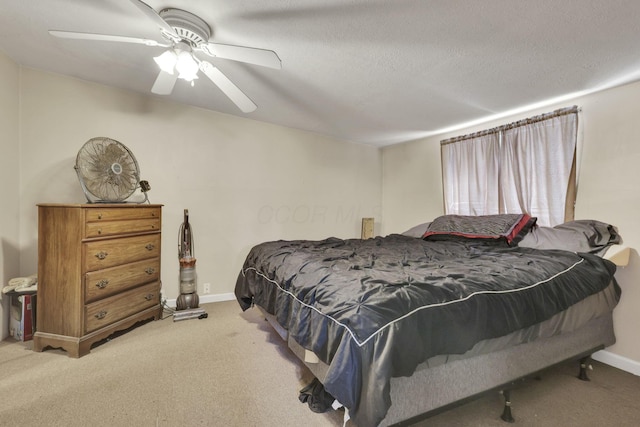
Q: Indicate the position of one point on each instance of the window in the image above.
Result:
(527, 166)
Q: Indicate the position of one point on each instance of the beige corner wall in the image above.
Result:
(9, 176)
(609, 178)
(243, 181)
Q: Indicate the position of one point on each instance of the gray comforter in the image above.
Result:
(375, 309)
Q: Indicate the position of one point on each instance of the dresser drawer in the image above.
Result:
(109, 310)
(111, 214)
(110, 228)
(103, 283)
(110, 253)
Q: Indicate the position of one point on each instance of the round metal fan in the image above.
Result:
(108, 171)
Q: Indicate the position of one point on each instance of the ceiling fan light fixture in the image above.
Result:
(187, 66)
(167, 61)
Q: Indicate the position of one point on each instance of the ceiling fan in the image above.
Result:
(184, 36)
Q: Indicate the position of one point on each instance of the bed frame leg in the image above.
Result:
(583, 369)
(506, 413)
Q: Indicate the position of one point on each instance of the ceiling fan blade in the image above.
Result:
(164, 27)
(241, 100)
(104, 37)
(250, 55)
(164, 83)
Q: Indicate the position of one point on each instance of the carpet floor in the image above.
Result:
(232, 369)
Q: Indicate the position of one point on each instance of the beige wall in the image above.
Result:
(243, 181)
(608, 190)
(411, 185)
(9, 176)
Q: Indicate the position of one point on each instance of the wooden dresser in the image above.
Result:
(98, 272)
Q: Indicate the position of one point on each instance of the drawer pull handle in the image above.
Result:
(102, 283)
(101, 255)
(101, 315)
(150, 270)
(99, 230)
(99, 216)
(149, 297)
(150, 246)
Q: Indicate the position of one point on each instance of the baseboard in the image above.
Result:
(205, 299)
(620, 362)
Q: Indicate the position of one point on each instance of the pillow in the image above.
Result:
(584, 235)
(417, 231)
(509, 228)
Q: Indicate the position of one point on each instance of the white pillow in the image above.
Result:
(417, 231)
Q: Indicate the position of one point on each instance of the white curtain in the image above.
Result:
(470, 175)
(523, 167)
(536, 160)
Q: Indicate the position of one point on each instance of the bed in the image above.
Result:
(400, 326)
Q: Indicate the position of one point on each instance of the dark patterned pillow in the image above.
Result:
(508, 228)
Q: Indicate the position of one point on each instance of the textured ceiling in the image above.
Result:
(371, 71)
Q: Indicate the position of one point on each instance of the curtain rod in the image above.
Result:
(559, 112)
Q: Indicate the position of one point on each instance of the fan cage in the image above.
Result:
(107, 170)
